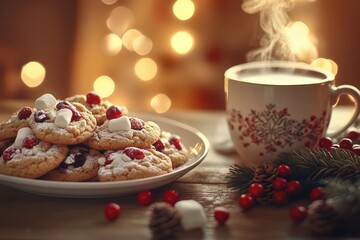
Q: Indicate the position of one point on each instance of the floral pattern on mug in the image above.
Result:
(275, 129)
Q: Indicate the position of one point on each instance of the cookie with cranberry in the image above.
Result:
(133, 163)
(96, 105)
(65, 124)
(172, 146)
(9, 128)
(119, 133)
(31, 159)
(5, 144)
(81, 164)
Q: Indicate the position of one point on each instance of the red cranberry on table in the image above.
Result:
(221, 215)
(346, 143)
(326, 143)
(93, 98)
(298, 214)
(317, 193)
(112, 211)
(256, 190)
(294, 187)
(353, 135)
(145, 197)
(280, 183)
(246, 201)
(171, 197)
(24, 113)
(283, 170)
(280, 198)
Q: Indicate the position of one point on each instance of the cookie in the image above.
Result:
(5, 144)
(64, 124)
(96, 105)
(172, 146)
(9, 128)
(32, 159)
(81, 164)
(119, 133)
(133, 163)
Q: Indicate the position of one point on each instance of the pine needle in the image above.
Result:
(240, 177)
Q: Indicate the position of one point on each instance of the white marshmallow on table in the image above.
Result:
(119, 124)
(21, 135)
(192, 214)
(63, 118)
(46, 101)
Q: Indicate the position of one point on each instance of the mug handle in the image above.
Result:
(355, 94)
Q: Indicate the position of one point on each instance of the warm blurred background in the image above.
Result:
(152, 55)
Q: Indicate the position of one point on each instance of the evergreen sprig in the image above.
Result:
(240, 177)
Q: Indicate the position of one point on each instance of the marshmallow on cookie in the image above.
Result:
(21, 135)
(63, 118)
(46, 101)
(119, 124)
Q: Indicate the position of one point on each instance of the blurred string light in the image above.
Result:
(145, 69)
(104, 86)
(121, 18)
(129, 38)
(182, 42)
(183, 9)
(33, 74)
(160, 103)
(109, 2)
(142, 45)
(111, 44)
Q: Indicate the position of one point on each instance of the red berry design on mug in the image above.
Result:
(221, 215)
(8, 153)
(298, 214)
(171, 197)
(280, 183)
(280, 198)
(24, 113)
(283, 170)
(317, 193)
(113, 112)
(246, 201)
(145, 197)
(112, 211)
(294, 187)
(93, 98)
(256, 190)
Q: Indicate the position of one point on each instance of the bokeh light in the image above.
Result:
(129, 38)
(121, 19)
(183, 9)
(182, 42)
(104, 86)
(142, 45)
(109, 2)
(160, 103)
(33, 74)
(145, 69)
(111, 44)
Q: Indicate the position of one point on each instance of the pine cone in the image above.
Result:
(322, 218)
(164, 221)
(265, 174)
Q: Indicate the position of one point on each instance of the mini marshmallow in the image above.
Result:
(119, 124)
(63, 118)
(21, 135)
(46, 101)
(192, 214)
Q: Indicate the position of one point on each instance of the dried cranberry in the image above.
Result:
(30, 141)
(79, 160)
(8, 153)
(159, 145)
(40, 116)
(24, 113)
(134, 153)
(113, 112)
(136, 124)
(75, 114)
(176, 142)
(108, 160)
(93, 98)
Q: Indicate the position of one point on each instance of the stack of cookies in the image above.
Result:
(85, 138)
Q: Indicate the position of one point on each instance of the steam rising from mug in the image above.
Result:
(277, 42)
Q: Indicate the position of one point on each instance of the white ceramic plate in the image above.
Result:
(194, 140)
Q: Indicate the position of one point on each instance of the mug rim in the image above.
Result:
(231, 73)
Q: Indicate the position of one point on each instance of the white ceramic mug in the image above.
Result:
(275, 107)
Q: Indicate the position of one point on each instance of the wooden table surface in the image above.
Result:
(29, 216)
